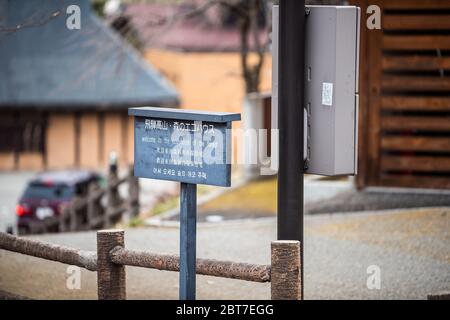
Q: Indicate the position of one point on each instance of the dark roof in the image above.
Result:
(200, 33)
(44, 64)
(193, 115)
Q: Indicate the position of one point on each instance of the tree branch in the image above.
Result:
(25, 25)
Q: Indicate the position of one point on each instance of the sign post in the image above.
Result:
(191, 147)
(290, 121)
(188, 237)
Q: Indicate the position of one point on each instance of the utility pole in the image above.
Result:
(290, 122)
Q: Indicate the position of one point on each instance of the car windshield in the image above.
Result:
(50, 192)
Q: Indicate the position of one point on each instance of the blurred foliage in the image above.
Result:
(136, 222)
(256, 196)
(122, 24)
(174, 201)
(97, 6)
(166, 205)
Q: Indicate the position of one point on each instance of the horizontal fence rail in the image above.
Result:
(53, 252)
(111, 258)
(207, 267)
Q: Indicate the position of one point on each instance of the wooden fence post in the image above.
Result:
(73, 215)
(91, 209)
(94, 208)
(110, 276)
(112, 192)
(133, 193)
(285, 274)
(63, 220)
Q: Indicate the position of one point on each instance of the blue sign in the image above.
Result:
(183, 145)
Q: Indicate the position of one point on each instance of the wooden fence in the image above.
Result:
(99, 208)
(405, 95)
(111, 258)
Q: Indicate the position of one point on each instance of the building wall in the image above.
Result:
(404, 104)
(78, 140)
(60, 141)
(89, 140)
(6, 161)
(207, 81)
(31, 161)
(7, 122)
(130, 139)
(113, 137)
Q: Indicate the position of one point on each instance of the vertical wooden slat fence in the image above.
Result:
(111, 258)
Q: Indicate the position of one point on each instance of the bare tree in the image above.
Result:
(249, 25)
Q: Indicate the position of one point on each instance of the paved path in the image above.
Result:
(373, 199)
(411, 248)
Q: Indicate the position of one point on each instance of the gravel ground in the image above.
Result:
(352, 200)
(411, 248)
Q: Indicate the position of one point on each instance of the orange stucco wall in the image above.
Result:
(6, 161)
(31, 161)
(60, 141)
(130, 142)
(88, 147)
(208, 81)
(112, 137)
(89, 140)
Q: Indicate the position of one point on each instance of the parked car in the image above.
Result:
(48, 194)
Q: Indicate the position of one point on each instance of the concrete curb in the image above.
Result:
(225, 223)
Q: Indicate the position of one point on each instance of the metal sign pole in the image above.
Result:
(290, 122)
(188, 243)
